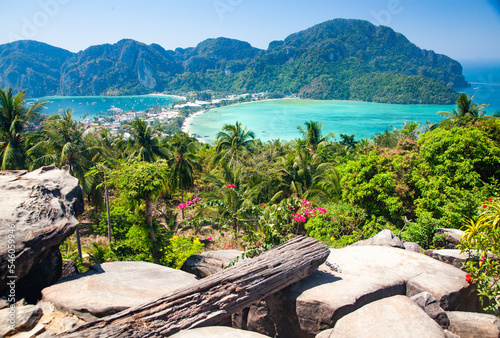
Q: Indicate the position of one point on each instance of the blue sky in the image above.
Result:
(462, 29)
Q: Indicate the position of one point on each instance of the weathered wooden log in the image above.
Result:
(214, 298)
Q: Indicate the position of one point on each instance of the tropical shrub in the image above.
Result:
(179, 249)
(456, 170)
(481, 241)
(340, 225)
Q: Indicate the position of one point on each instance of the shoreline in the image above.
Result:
(188, 120)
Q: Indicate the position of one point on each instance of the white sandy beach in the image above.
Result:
(189, 120)
(169, 95)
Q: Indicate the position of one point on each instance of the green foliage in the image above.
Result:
(380, 185)
(481, 241)
(137, 245)
(341, 225)
(422, 232)
(121, 222)
(276, 225)
(457, 168)
(179, 249)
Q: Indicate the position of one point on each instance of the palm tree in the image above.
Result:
(143, 142)
(232, 140)
(63, 142)
(183, 162)
(467, 111)
(313, 135)
(14, 120)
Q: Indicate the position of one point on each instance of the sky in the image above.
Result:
(462, 29)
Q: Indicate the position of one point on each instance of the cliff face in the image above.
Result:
(338, 59)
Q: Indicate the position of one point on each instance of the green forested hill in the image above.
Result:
(337, 59)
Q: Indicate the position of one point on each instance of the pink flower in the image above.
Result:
(484, 205)
(483, 259)
(321, 210)
(181, 205)
(229, 186)
(490, 200)
(262, 204)
(209, 238)
(468, 279)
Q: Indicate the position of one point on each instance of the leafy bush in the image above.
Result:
(121, 222)
(481, 241)
(179, 249)
(422, 232)
(339, 226)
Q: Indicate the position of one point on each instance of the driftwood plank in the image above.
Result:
(214, 298)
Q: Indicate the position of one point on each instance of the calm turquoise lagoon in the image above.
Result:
(279, 118)
(91, 106)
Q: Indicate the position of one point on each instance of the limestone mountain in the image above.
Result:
(337, 59)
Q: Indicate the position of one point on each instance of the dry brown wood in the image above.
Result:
(212, 300)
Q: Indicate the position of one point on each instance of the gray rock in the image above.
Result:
(69, 323)
(474, 325)
(384, 238)
(217, 332)
(428, 303)
(69, 268)
(451, 237)
(449, 334)
(26, 317)
(390, 317)
(112, 287)
(449, 256)
(34, 332)
(358, 275)
(39, 209)
(412, 246)
(210, 262)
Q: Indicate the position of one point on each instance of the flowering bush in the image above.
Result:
(338, 225)
(230, 186)
(189, 203)
(481, 241)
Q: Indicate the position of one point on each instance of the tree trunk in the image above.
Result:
(78, 243)
(213, 299)
(182, 201)
(149, 218)
(106, 197)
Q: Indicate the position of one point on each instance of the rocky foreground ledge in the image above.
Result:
(38, 211)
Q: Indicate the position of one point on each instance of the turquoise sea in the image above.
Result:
(280, 118)
(91, 106)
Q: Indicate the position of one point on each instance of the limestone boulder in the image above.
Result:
(384, 238)
(412, 246)
(449, 256)
(358, 275)
(217, 332)
(109, 288)
(474, 325)
(37, 213)
(392, 317)
(451, 237)
(26, 318)
(428, 303)
(209, 262)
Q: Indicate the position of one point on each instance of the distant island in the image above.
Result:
(339, 59)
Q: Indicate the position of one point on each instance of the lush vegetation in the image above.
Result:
(170, 195)
(338, 59)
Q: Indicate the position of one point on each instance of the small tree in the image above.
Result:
(141, 182)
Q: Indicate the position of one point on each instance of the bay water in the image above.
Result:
(278, 119)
